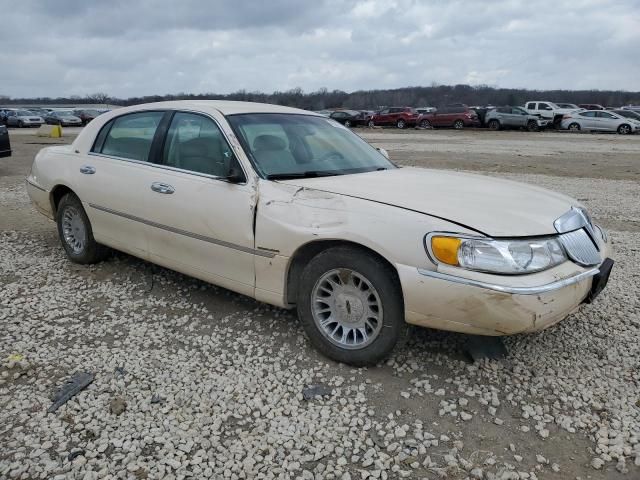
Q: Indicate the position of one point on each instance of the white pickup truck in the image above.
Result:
(547, 110)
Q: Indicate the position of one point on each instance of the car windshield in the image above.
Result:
(291, 145)
(24, 113)
(628, 114)
(64, 114)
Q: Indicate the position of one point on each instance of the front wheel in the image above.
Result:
(401, 124)
(494, 125)
(75, 232)
(425, 124)
(371, 124)
(350, 305)
(458, 124)
(20, 124)
(624, 129)
(347, 123)
(533, 126)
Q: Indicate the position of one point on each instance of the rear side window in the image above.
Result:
(195, 143)
(602, 114)
(590, 114)
(129, 136)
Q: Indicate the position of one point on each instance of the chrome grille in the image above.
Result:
(580, 247)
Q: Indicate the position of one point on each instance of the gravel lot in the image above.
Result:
(193, 381)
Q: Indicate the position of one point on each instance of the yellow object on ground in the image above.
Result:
(15, 357)
(52, 131)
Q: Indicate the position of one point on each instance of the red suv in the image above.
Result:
(401, 117)
(456, 116)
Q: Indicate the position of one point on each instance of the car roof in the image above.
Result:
(223, 106)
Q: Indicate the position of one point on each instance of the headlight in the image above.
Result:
(496, 256)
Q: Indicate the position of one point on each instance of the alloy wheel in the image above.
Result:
(347, 309)
(73, 229)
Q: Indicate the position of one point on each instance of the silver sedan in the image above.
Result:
(599, 120)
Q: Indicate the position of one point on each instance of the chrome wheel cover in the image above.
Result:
(73, 229)
(347, 309)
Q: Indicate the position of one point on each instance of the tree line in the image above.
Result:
(434, 95)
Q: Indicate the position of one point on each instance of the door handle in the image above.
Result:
(162, 188)
(87, 170)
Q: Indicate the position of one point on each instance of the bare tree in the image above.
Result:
(99, 97)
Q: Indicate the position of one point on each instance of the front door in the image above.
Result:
(201, 223)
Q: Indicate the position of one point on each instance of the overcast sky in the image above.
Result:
(144, 47)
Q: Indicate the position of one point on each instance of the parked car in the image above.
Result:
(457, 116)
(599, 120)
(63, 118)
(23, 118)
(591, 106)
(633, 108)
(547, 111)
(3, 115)
(86, 115)
(514, 117)
(628, 114)
(279, 204)
(401, 117)
(572, 106)
(5, 144)
(350, 118)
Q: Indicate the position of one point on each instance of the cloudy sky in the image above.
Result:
(144, 47)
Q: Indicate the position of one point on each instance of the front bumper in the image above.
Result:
(485, 304)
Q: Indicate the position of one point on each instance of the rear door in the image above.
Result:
(112, 181)
(587, 120)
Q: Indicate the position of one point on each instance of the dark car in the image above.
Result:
(457, 116)
(401, 117)
(591, 106)
(5, 145)
(63, 118)
(86, 115)
(349, 118)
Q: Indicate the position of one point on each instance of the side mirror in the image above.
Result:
(383, 152)
(235, 174)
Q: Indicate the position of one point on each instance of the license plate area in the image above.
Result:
(600, 280)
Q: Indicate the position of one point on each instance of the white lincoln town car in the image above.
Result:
(295, 210)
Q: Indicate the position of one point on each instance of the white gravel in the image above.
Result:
(187, 389)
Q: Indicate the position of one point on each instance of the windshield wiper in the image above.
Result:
(307, 174)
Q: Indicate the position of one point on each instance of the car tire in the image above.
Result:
(425, 124)
(351, 276)
(401, 124)
(574, 127)
(371, 124)
(20, 124)
(533, 126)
(494, 125)
(624, 129)
(458, 124)
(347, 123)
(75, 232)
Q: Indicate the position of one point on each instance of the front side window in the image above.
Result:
(588, 114)
(543, 106)
(290, 145)
(195, 143)
(129, 136)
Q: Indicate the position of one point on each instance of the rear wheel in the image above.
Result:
(75, 232)
(401, 123)
(371, 124)
(347, 123)
(574, 127)
(494, 125)
(350, 305)
(458, 124)
(624, 129)
(20, 124)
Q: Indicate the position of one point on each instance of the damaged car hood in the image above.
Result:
(492, 206)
